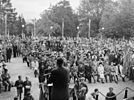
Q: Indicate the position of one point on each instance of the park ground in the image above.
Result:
(17, 67)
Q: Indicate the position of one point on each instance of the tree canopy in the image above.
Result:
(54, 17)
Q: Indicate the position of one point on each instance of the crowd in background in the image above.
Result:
(105, 59)
(92, 60)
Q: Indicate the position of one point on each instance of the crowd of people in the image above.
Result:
(95, 60)
(90, 60)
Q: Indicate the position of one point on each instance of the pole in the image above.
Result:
(34, 28)
(49, 35)
(62, 27)
(8, 33)
(5, 24)
(22, 33)
(126, 94)
(89, 28)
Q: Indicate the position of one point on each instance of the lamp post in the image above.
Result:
(78, 31)
(5, 24)
(34, 22)
(102, 31)
(51, 28)
(63, 20)
(23, 31)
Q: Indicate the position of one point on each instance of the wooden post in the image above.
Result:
(126, 93)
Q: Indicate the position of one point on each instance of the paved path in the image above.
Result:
(16, 67)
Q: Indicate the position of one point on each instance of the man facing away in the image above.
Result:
(60, 79)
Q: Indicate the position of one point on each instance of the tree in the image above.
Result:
(92, 9)
(44, 25)
(6, 9)
(54, 17)
(120, 23)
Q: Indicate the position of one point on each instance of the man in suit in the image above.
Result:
(8, 53)
(15, 50)
(19, 86)
(110, 95)
(27, 86)
(60, 79)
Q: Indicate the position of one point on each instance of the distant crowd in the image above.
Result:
(90, 60)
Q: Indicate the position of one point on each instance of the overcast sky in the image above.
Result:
(32, 8)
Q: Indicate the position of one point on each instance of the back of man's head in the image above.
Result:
(60, 62)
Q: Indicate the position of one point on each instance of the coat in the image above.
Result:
(101, 71)
(60, 79)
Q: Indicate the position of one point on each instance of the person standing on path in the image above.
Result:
(27, 86)
(8, 54)
(15, 50)
(19, 86)
(60, 79)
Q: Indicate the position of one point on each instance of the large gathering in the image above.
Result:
(67, 55)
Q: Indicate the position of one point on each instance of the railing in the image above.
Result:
(109, 97)
(125, 95)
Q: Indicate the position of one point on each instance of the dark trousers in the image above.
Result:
(35, 73)
(8, 58)
(24, 59)
(28, 64)
(19, 93)
(0, 87)
(26, 91)
(7, 85)
(14, 53)
(106, 77)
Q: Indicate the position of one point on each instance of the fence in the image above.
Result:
(125, 95)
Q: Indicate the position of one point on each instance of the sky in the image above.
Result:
(31, 9)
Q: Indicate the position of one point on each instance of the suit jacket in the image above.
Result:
(60, 79)
(111, 95)
(9, 51)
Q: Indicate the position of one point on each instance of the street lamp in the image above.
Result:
(103, 28)
(51, 28)
(22, 31)
(102, 31)
(63, 20)
(78, 31)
